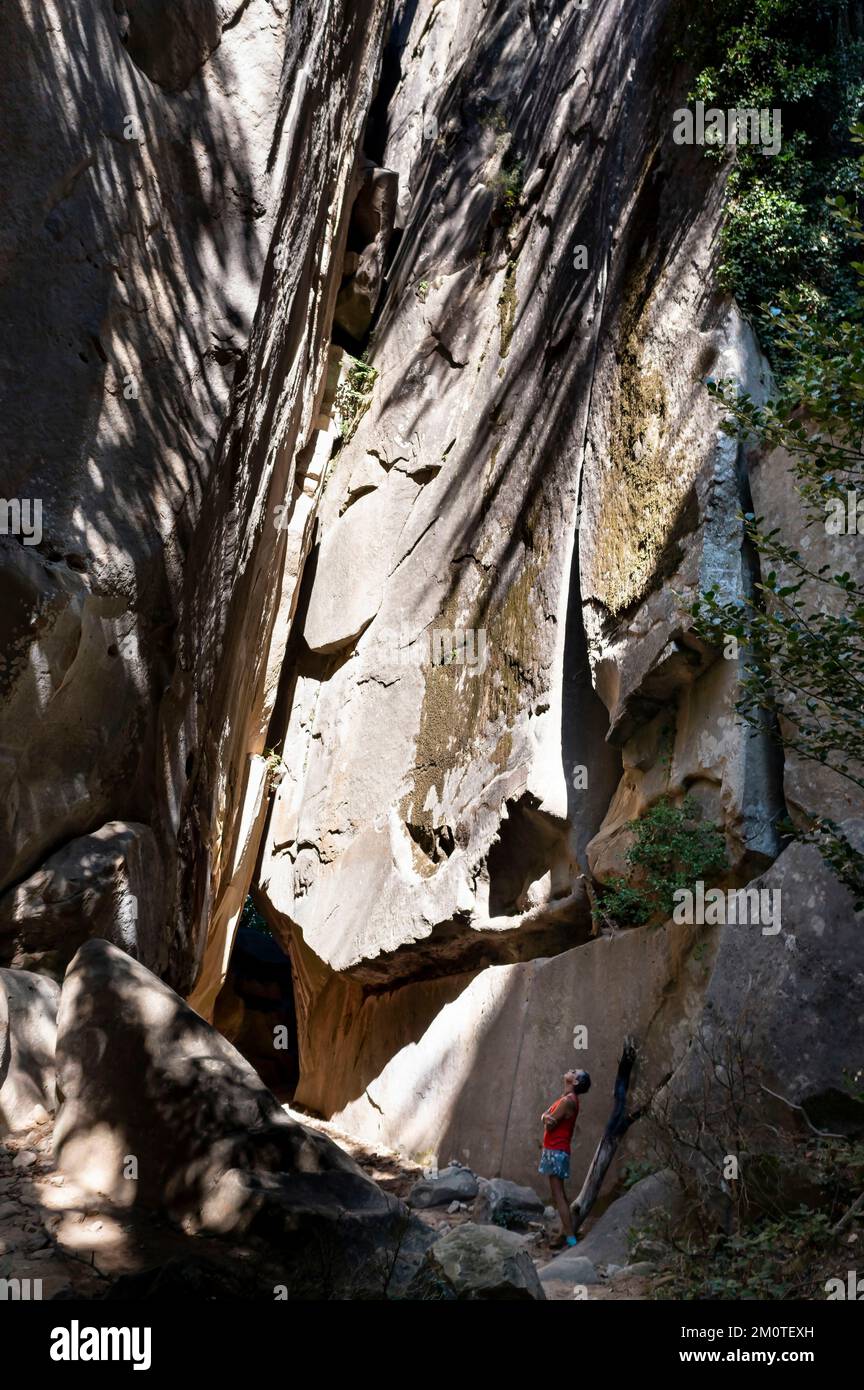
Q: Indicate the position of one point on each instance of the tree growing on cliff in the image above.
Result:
(802, 629)
(804, 58)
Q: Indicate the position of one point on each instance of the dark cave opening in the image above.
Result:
(255, 1007)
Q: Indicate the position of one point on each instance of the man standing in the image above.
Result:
(558, 1123)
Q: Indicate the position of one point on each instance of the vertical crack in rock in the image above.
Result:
(359, 362)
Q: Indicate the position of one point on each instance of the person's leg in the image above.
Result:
(562, 1206)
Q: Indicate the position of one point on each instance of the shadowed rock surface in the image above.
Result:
(28, 1028)
(105, 884)
(608, 1241)
(356, 359)
(158, 1109)
(478, 1263)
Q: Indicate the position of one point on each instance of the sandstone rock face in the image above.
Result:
(372, 220)
(421, 663)
(459, 832)
(28, 1028)
(464, 1067)
(170, 42)
(106, 884)
(179, 182)
(496, 630)
(158, 1108)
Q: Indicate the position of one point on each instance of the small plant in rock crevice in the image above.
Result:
(354, 396)
(275, 768)
(635, 1171)
(508, 184)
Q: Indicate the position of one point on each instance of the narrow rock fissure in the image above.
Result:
(368, 771)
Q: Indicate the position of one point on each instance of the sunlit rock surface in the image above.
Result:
(405, 660)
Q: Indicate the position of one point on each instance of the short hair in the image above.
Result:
(583, 1084)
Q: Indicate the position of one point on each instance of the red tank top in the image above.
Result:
(560, 1137)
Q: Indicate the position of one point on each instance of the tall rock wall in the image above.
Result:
(179, 178)
(496, 669)
(356, 365)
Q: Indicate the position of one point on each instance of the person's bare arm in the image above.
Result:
(550, 1120)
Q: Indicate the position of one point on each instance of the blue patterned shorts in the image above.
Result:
(555, 1163)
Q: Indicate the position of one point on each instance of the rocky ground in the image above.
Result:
(45, 1231)
(398, 1175)
(80, 1247)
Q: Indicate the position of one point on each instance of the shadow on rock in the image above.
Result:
(159, 1111)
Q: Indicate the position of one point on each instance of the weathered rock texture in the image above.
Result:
(496, 669)
(799, 991)
(178, 182)
(811, 788)
(456, 1068)
(609, 1240)
(28, 1029)
(106, 884)
(460, 616)
(478, 1263)
(160, 1110)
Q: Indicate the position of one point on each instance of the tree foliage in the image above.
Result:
(804, 58)
(803, 626)
(672, 848)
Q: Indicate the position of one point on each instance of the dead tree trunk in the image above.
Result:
(616, 1126)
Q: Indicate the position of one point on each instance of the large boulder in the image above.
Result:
(505, 1203)
(105, 884)
(28, 1028)
(608, 1241)
(453, 1184)
(568, 1272)
(474, 1263)
(793, 992)
(159, 1109)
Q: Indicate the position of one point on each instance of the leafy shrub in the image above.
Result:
(509, 184)
(802, 629)
(780, 1225)
(635, 1171)
(805, 58)
(782, 1259)
(354, 395)
(672, 848)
